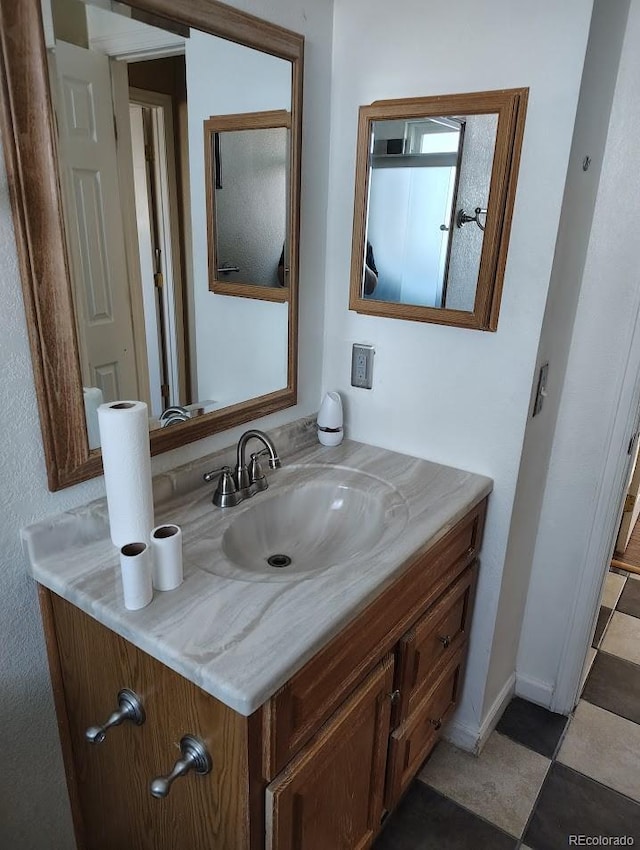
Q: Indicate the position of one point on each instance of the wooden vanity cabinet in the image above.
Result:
(314, 768)
(109, 782)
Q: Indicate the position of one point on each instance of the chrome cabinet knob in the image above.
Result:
(445, 640)
(437, 724)
(195, 756)
(129, 708)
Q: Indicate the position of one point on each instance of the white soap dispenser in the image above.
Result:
(330, 430)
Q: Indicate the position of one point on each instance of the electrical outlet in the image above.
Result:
(362, 365)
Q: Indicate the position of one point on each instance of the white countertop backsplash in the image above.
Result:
(240, 641)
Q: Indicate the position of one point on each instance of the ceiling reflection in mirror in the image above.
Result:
(428, 191)
(131, 100)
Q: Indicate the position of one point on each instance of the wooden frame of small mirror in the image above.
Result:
(510, 107)
(247, 121)
(29, 138)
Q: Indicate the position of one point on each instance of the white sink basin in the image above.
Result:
(310, 519)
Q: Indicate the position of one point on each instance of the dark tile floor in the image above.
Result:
(542, 778)
(533, 726)
(604, 616)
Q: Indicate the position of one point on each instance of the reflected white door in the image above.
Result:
(94, 221)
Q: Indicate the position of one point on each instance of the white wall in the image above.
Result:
(456, 396)
(33, 808)
(241, 343)
(597, 396)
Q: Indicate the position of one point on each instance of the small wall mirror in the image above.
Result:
(248, 179)
(102, 121)
(435, 187)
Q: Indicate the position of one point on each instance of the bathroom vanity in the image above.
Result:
(318, 695)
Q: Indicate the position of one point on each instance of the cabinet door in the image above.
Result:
(330, 795)
(112, 778)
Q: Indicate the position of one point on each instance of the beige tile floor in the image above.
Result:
(613, 586)
(500, 785)
(588, 664)
(605, 747)
(622, 637)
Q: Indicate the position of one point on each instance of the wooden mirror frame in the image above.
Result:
(510, 105)
(29, 140)
(276, 118)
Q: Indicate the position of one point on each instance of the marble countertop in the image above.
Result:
(241, 640)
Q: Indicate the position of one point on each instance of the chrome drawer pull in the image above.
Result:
(437, 724)
(394, 696)
(445, 640)
(195, 756)
(129, 708)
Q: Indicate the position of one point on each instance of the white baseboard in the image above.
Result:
(534, 690)
(473, 738)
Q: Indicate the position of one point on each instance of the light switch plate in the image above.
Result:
(362, 365)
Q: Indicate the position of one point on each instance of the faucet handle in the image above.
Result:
(274, 460)
(256, 475)
(226, 494)
(209, 476)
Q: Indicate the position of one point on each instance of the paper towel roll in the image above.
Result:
(166, 545)
(93, 398)
(135, 568)
(124, 436)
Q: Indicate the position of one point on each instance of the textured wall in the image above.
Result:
(34, 813)
(33, 802)
(251, 206)
(456, 396)
(599, 364)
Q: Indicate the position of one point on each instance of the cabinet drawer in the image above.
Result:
(296, 712)
(412, 742)
(431, 643)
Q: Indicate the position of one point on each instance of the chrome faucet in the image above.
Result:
(245, 481)
(172, 415)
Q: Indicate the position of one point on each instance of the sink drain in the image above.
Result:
(278, 561)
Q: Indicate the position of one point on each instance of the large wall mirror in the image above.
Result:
(114, 159)
(435, 187)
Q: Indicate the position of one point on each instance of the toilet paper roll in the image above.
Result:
(166, 546)
(93, 398)
(135, 569)
(124, 436)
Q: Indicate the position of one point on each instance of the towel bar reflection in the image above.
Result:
(463, 218)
